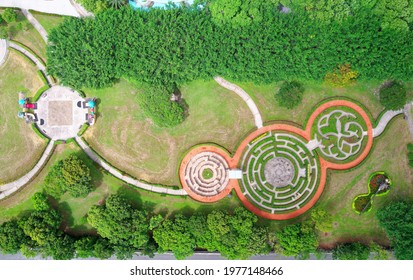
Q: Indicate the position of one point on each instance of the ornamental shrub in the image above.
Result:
(341, 76)
(290, 94)
(393, 96)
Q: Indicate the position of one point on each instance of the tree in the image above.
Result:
(174, 235)
(351, 251)
(40, 202)
(397, 220)
(395, 14)
(155, 221)
(61, 248)
(42, 226)
(1, 19)
(297, 239)
(341, 76)
(3, 32)
(236, 12)
(157, 105)
(12, 237)
(9, 15)
(71, 175)
(290, 94)
(76, 176)
(393, 96)
(117, 4)
(322, 220)
(124, 227)
(237, 236)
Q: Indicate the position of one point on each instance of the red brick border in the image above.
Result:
(306, 134)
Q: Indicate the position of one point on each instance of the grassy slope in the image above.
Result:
(48, 21)
(20, 147)
(130, 142)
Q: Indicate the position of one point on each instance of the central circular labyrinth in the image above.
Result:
(216, 167)
(279, 172)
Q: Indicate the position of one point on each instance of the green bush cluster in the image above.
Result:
(393, 96)
(71, 175)
(290, 94)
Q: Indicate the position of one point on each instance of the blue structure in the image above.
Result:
(145, 4)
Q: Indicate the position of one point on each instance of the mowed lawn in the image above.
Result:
(20, 147)
(74, 210)
(132, 143)
(48, 21)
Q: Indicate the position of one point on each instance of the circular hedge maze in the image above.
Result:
(206, 174)
(341, 133)
(280, 174)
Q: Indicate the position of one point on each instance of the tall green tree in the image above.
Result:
(393, 96)
(351, 251)
(12, 237)
(297, 239)
(125, 228)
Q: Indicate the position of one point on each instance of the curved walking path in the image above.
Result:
(57, 7)
(122, 177)
(34, 58)
(4, 51)
(36, 24)
(12, 187)
(80, 9)
(384, 121)
(241, 93)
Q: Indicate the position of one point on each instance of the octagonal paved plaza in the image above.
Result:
(61, 113)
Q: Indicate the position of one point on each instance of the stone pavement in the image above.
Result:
(241, 93)
(125, 178)
(3, 51)
(58, 7)
(35, 59)
(7, 189)
(35, 23)
(384, 121)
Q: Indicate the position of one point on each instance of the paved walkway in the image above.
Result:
(58, 7)
(384, 121)
(409, 113)
(125, 178)
(35, 59)
(80, 9)
(35, 23)
(3, 51)
(12, 187)
(241, 93)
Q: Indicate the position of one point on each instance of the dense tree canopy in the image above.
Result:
(11, 237)
(351, 251)
(71, 175)
(174, 46)
(323, 221)
(236, 13)
(297, 239)
(125, 228)
(397, 220)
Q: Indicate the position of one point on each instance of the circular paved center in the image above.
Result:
(61, 112)
(279, 172)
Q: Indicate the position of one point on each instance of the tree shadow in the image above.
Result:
(134, 198)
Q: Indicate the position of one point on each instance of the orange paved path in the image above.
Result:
(306, 134)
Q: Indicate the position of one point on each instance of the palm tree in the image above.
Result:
(117, 4)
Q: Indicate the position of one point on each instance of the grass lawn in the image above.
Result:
(132, 143)
(48, 21)
(30, 37)
(74, 210)
(389, 155)
(20, 147)
(314, 93)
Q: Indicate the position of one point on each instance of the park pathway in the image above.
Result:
(39, 64)
(384, 121)
(36, 24)
(57, 7)
(4, 50)
(247, 99)
(12, 187)
(125, 178)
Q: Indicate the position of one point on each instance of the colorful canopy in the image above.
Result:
(91, 104)
(21, 101)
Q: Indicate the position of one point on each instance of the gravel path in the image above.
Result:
(35, 23)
